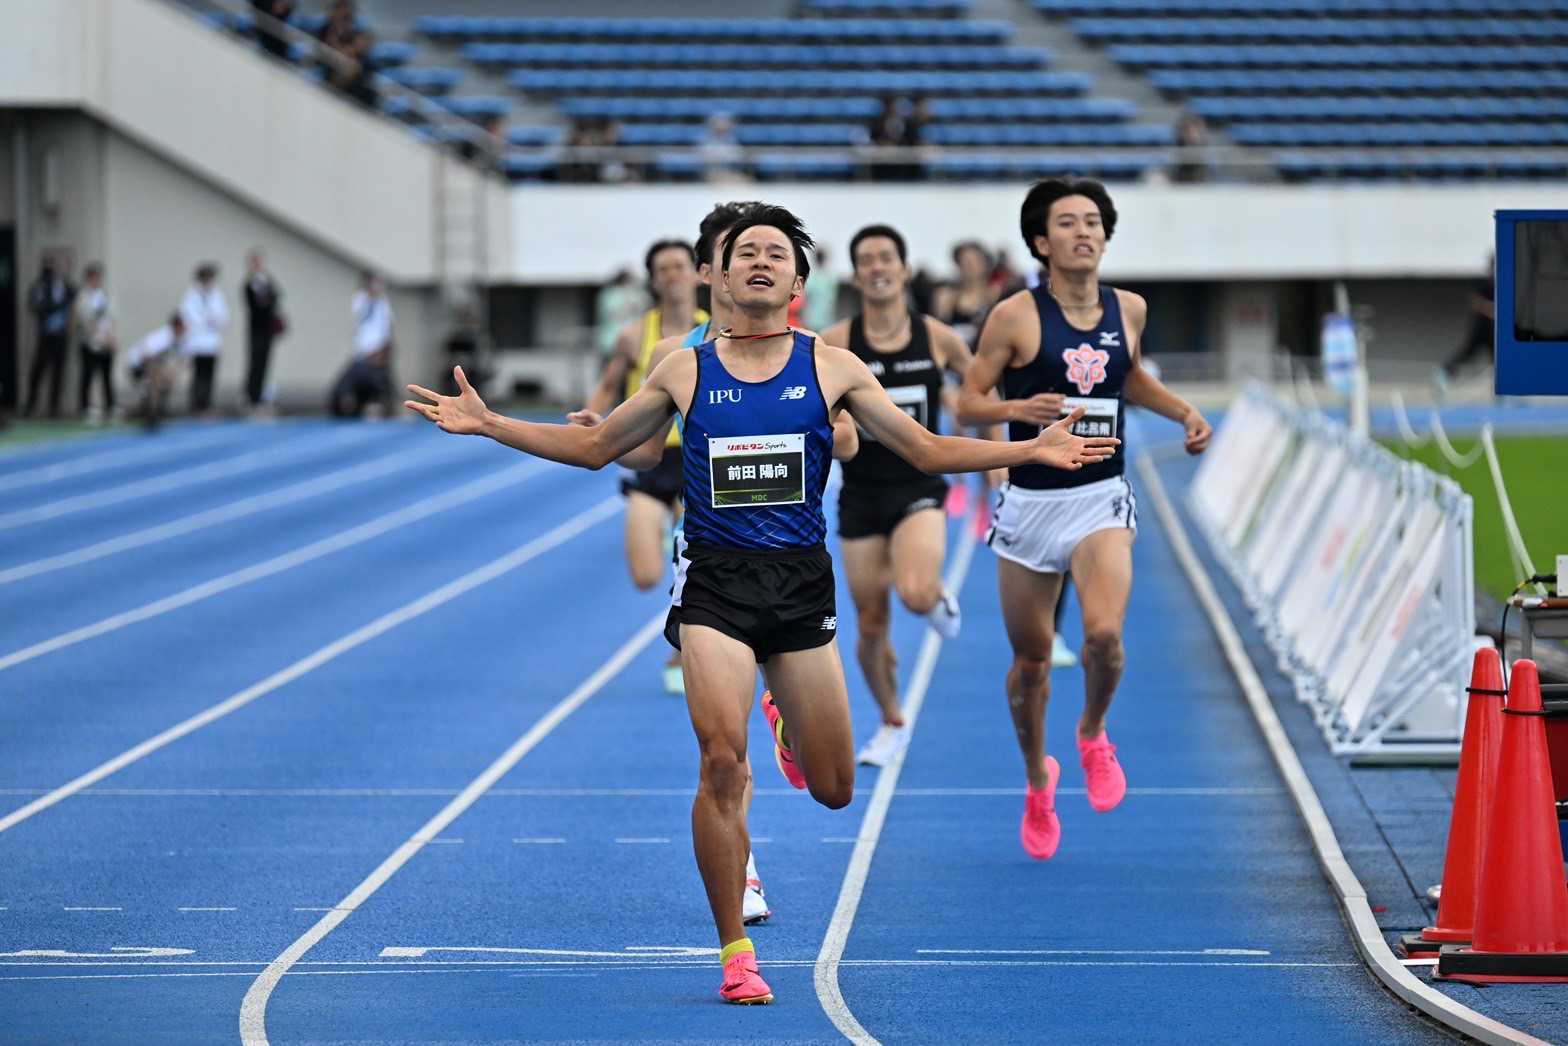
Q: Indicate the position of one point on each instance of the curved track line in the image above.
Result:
(253, 1012)
(1347, 888)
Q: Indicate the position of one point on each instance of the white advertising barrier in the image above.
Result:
(1358, 568)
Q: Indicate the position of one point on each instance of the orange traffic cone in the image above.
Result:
(1521, 915)
(1472, 804)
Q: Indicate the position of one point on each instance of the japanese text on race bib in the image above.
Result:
(1099, 415)
(758, 470)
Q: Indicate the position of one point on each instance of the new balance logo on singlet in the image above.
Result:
(829, 623)
(794, 392)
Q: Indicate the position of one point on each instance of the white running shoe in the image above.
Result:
(887, 743)
(944, 617)
(754, 906)
(1062, 655)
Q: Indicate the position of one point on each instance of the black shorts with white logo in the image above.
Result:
(872, 509)
(664, 481)
(774, 601)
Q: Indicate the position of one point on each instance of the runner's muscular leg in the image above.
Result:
(808, 687)
(1028, 606)
(646, 557)
(720, 681)
(918, 548)
(865, 563)
(1102, 570)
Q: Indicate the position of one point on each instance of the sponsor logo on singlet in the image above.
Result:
(1085, 366)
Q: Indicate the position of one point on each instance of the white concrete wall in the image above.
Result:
(565, 234)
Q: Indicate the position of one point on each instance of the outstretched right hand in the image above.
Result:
(463, 414)
(1057, 447)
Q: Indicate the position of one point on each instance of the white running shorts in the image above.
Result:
(1039, 529)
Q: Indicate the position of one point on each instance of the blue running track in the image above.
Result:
(316, 733)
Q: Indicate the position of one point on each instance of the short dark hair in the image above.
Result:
(971, 245)
(719, 219)
(660, 246)
(175, 319)
(778, 218)
(1042, 194)
(206, 270)
(873, 231)
(92, 269)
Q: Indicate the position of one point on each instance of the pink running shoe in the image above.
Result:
(742, 983)
(1041, 831)
(781, 754)
(1102, 773)
(958, 499)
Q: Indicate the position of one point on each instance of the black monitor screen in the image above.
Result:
(1541, 281)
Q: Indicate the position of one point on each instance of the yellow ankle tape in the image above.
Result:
(742, 945)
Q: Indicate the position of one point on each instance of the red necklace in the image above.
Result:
(728, 332)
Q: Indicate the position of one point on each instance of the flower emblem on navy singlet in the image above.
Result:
(1086, 367)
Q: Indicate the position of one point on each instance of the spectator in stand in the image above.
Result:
(723, 158)
(886, 132)
(49, 299)
(578, 164)
(272, 40)
(92, 324)
(360, 83)
(264, 323)
(914, 136)
(206, 313)
(1191, 135)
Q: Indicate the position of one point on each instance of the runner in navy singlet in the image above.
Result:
(755, 585)
(891, 517)
(1070, 344)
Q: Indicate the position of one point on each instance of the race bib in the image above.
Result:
(758, 470)
(911, 399)
(1099, 415)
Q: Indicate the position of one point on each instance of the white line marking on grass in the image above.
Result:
(160, 484)
(383, 624)
(1348, 891)
(253, 1012)
(277, 564)
(832, 953)
(326, 484)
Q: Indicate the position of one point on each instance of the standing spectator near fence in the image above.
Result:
(49, 300)
(271, 39)
(92, 324)
(264, 323)
(205, 312)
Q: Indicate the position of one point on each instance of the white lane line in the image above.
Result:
(825, 975)
(1350, 893)
(88, 909)
(208, 909)
(139, 453)
(539, 842)
(575, 793)
(408, 612)
(253, 1012)
(329, 483)
(639, 841)
(277, 564)
(142, 488)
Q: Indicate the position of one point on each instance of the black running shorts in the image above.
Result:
(773, 601)
(664, 481)
(873, 509)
